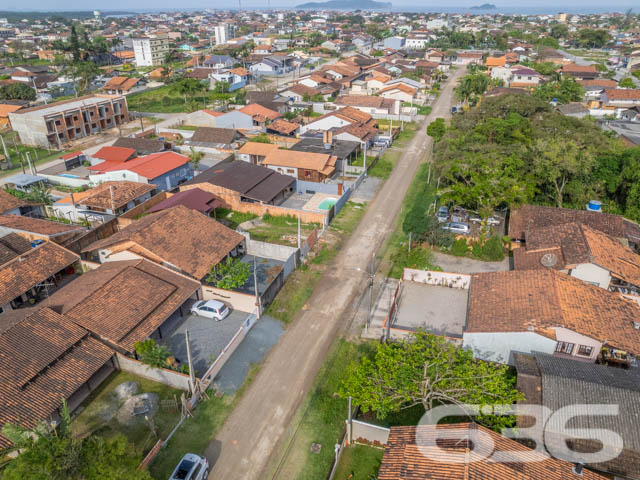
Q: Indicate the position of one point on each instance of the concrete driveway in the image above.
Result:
(208, 338)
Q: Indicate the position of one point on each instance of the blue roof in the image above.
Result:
(25, 179)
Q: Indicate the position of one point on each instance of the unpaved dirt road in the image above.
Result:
(245, 444)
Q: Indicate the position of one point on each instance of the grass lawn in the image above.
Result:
(191, 128)
(282, 230)
(299, 287)
(321, 417)
(167, 99)
(196, 433)
(102, 403)
(384, 165)
(18, 152)
(422, 109)
(359, 462)
(232, 219)
(392, 252)
(405, 136)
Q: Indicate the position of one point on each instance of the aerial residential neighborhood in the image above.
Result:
(332, 241)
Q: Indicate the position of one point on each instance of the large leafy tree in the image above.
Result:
(17, 91)
(427, 370)
(563, 91)
(52, 453)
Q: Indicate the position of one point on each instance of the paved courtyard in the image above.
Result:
(208, 338)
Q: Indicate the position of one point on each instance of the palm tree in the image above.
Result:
(195, 158)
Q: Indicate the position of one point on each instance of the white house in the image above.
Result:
(546, 311)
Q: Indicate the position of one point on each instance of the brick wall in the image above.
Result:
(232, 201)
(131, 215)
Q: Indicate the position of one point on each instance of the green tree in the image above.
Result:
(151, 353)
(52, 453)
(627, 83)
(187, 87)
(636, 73)
(564, 91)
(437, 129)
(195, 156)
(559, 30)
(228, 274)
(590, 38)
(17, 91)
(82, 73)
(427, 370)
(557, 162)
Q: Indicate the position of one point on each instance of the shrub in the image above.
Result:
(492, 249)
(460, 247)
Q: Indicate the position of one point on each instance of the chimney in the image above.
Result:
(324, 136)
(577, 469)
(330, 137)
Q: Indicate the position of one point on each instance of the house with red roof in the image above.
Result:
(166, 170)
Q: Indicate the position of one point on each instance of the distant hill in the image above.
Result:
(345, 5)
(484, 6)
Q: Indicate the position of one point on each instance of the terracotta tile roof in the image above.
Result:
(142, 146)
(409, 456)
(44, 358)
(37, 225)
(180, 236)
(399, 86)
(219, 136)
(496, 61)
(121, 83)
(530, 217)
(352, 114)
(573, 68)
(242, 72)
(213, 113)
(623, 94)
(12, 246)
(194, 198)
(114, 154)
(599, 82)
(283, 127)
(9, 202)
(31, 268)
(123, 302)
(609, 253)
(108, 194)
(360, 101)
(541, 300)
(6, 109)
(257, 148)
(323, 163)
(303, 90)
(259, 112)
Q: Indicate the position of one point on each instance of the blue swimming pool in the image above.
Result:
(327, 203)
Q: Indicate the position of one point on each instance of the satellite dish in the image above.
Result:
(549, 259)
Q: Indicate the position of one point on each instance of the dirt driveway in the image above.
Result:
(246, 443)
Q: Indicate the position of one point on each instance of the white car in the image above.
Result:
(191, 467)
(457, 227)
(210, 309)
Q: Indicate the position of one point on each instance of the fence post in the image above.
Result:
(192, 377)
(349, 424)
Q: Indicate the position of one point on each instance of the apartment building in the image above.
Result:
(150, 50)
(61, 122)
(223, 33)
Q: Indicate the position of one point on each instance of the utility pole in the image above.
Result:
(192, 375)
(349, 422)
(409, 242)
(255, 286)
(299, 231)
(6, 152)
(365, 159)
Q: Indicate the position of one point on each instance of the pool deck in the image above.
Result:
(316, 200)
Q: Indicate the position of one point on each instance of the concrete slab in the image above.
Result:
(264, 334)
(435, 309)
(267, 269)
(296, 201)
(367, 190)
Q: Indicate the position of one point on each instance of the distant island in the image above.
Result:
(484, 6)
(345, 5)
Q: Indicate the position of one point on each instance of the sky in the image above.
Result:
(534, 6)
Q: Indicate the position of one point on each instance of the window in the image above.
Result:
(564, 347)
(584, 350)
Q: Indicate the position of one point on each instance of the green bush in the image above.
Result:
(420, 258)
(492, 249)
(460, 247)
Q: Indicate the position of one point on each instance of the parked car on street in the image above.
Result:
(475, 218)
(457, 227)
(443, 214)
(493, 221)
(191, 467)
(210, 309)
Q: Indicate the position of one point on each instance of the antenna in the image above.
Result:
(240, 5)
